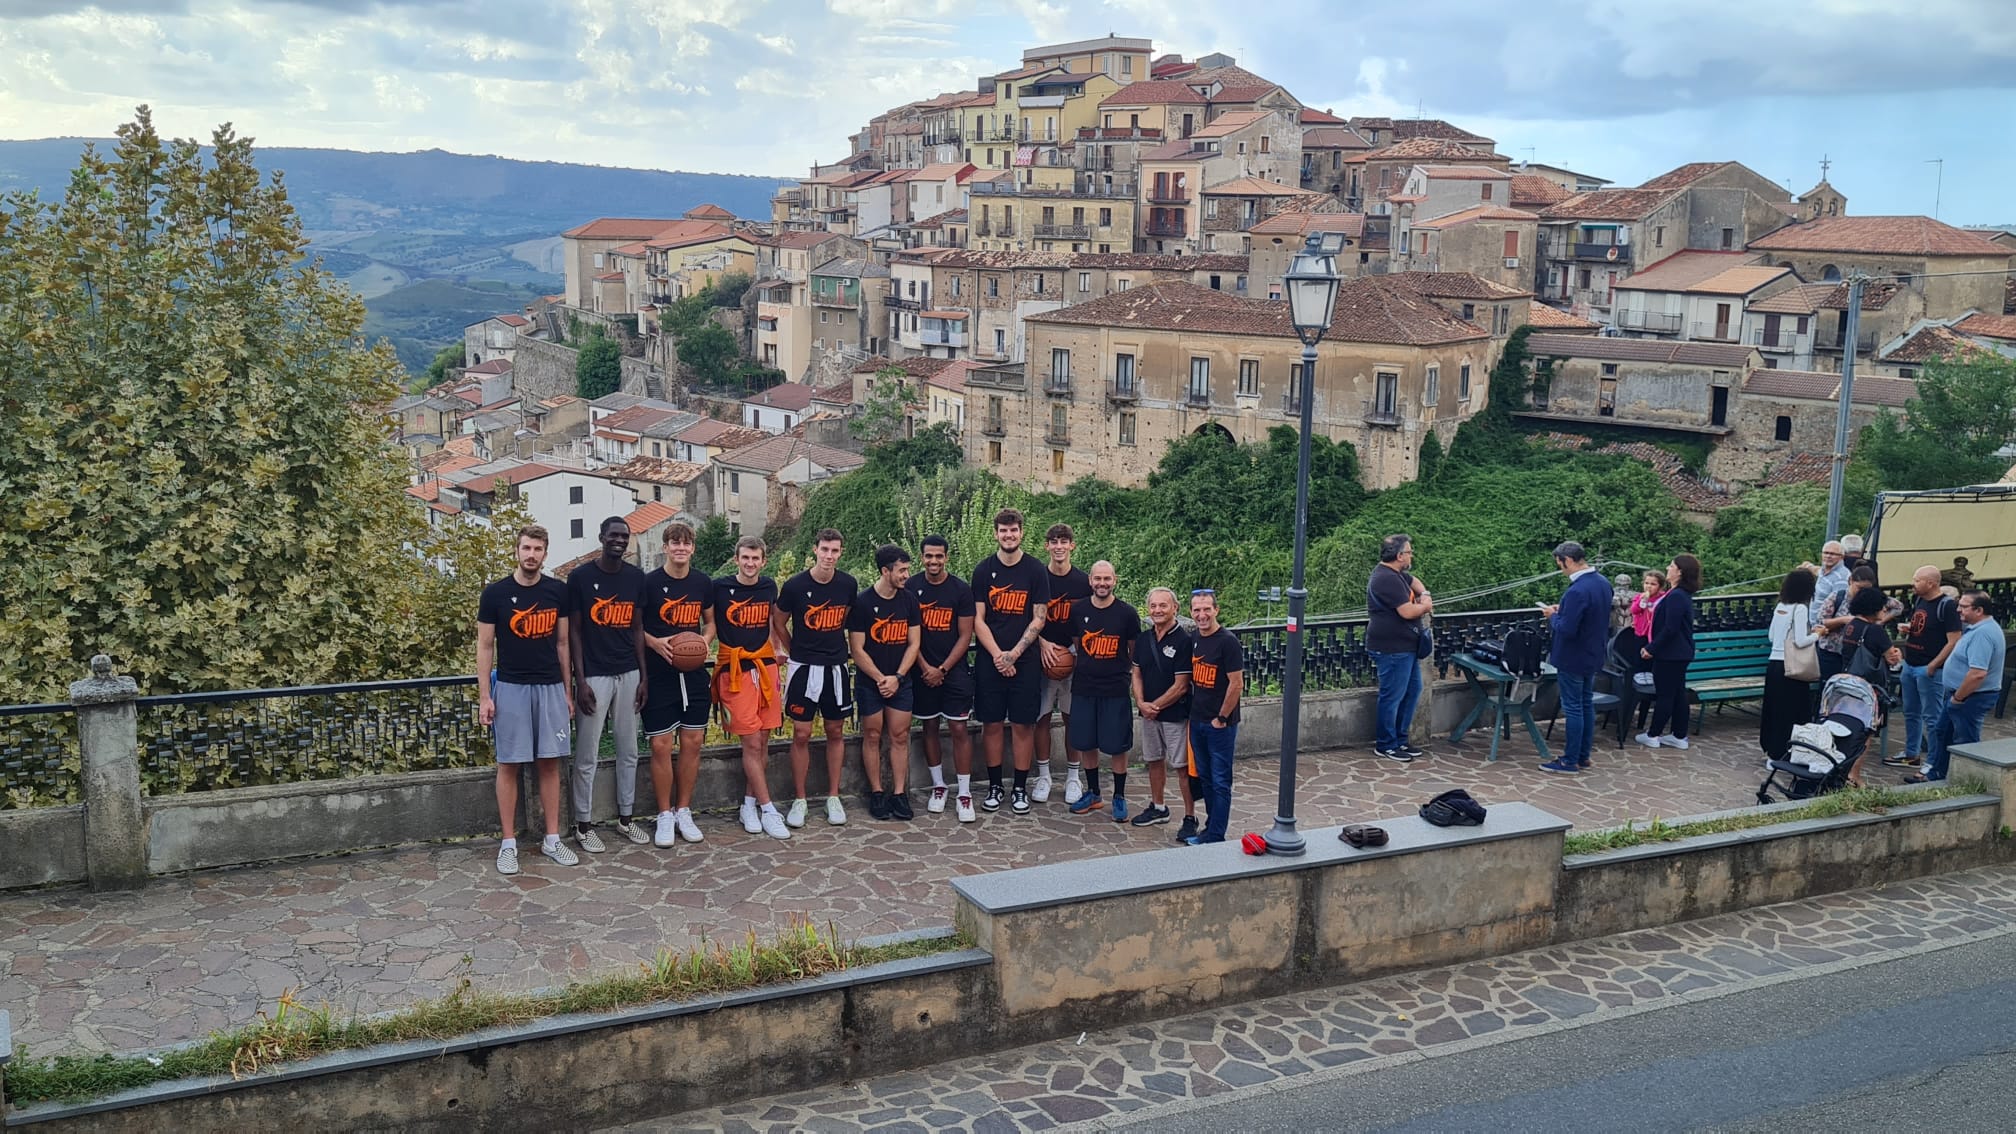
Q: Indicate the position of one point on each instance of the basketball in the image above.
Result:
(689, 651)
(1062, 667)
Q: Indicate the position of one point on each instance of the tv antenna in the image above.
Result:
(1938, 184)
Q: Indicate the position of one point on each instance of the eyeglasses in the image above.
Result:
(1201, 591)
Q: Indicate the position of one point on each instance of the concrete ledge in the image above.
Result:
(1995, 762)
(42, 846)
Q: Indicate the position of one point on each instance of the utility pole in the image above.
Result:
(1938, 184)
(1851, 326)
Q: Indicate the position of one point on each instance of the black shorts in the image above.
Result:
(664, 708)
(833, 702)
(951, 700)
(1014, 699)
(1104, 723)
(871, 701)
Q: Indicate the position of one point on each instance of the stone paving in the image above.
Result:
(1121, 1075)
(369, 932)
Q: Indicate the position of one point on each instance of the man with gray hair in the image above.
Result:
(1830, 576)
(1396, 602)
(1162, 693)
(1581, 623)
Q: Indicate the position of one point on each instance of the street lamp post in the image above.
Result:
(1312, 284)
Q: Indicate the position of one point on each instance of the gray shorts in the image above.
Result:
(1164, 740)
(1056, 696)
(531, 722)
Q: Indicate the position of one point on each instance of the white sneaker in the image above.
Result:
(965, 809)
(836, 814)
(665, 835)
(1040, 791)
(1674, 741)
(558, 852)
(796, 816)
(936, 804)
(688, 829)
(750, 822)
(1074, 789)
(773, 825)
(507, 860)
(590, 841)
(1647, 740)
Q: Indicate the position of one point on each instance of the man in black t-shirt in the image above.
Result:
(1217, 685)
(677, 600)
(1396, 602)
(1068, 587)
(608, 639)
(944, 686)
(883, 634)
(1929, 633)
(1162, 693)
(811, 623)
(1103, 631)
(1010, 594)
(521, 633)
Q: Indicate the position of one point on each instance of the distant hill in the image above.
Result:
(389, 222)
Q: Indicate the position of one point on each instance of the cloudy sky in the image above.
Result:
(1620, 88)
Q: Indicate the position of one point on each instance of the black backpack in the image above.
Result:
(1522, 653)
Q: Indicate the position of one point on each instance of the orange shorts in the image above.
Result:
(756, 707)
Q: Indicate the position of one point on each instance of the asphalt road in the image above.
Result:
(1926, 1042)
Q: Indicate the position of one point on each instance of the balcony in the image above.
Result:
(1168, 195)
(930, 337)
(997, 377)
(1119, 134)
(994, 427)
(1657, 322)
(834, 299)
(1064, 231)
(1291, 403)
(1830, 339)
(1124, 390)
(1609, 253)
(1057, 436)
(1384, 418)
(1167, 228)
(899, 303)
(1005, 228)
(1057, 385)
(1784, 338)
(1197, 398)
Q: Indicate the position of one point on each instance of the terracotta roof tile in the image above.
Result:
(650, 515)
(1302, 224)
(1683, 176)
(1800, 468)
(1438, 149)
(657, 470)
(1376, 309)
(1800, 299)
(773, 453)
(1895, 236)
(1334, 138)
(620, 228)
(1455, 285)
(1932, 342)
(784, 396)
(1257, 187)
(1532, 191)
(1685, 269)
(1553, 319)
(1818, 386)
(1464, 173)
(636, 418)
(494, 366)
(1153, 92)
(717, 434)
(1725, 355)
(1609, 204)
(1320, 118)
(1476, 213)
(1988, 326)
(915, 367)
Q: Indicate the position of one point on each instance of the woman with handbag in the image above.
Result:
(1794, 665)
(1669, 647)
(1868, 653)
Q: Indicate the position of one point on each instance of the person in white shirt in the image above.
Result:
(1787, 702)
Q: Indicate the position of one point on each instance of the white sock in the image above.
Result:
(664, 815)
(769, 809)
(682, 811)
(965, 786)
(937, 775)
(551, 842)
(509, 844)
(750, 801)
(1074, 770)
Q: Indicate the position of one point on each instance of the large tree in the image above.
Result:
(1964, 411)
(598, 367)
(195, 462)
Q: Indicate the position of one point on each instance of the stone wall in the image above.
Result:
(543, 369)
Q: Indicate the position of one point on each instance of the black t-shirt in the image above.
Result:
(742, 611)
(887, 623)
(528, 628)
(1105, 641)
(1162, 660)
(939, 608)
(604, 605)
(1007, 596)
(1926, 627)
(1067, 592)
(818, 616)
(1213, 661)
(676, 606)
(1385, 631)
(1871, 636)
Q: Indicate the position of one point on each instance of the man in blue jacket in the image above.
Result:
(1581, 625)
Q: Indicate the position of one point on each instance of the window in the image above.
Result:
(1211, 206)
(1242, 147)
(1582, 280)
(1266, 144)
(1504, 319)
(1906, 373)
(1802, 324)
(994, 285)
(993, 452)
(1122, 284)
(1249, 376)
(1105, 220)
(1123, 373)
(1469, 311)
(1293, 401)
(574, 494)
(822, 316)
(1511, 244)
(1783, 430)
(1126, 429)
(1084, 281)
(1037, 285)
(657, 450)
(1463, 383)
(1056, 460)
(1770, 364)
(1434, 391)
(1728, 239)
(1386, 399)
(958, 285)
(1609, 370)
(1659, 236)
(1200, 380)
(734, 482)
(913, 289)
(1060, 420)
(1000, 341)
(1487, 192)
(1060, 367)
(574, 528)
(657, 492)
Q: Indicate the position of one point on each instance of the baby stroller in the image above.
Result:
(1821, 754)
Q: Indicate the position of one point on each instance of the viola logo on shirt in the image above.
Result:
(889, 631)
(1059, 609)
(937, 617)
(618, 612)
(823, 616)
(1007, 600)
(535, 622)
(1099, 644)
(748, 613)
(1203, 673)
(681, 612)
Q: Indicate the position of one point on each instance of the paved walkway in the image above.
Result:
(1138, 1074)
(369, 932)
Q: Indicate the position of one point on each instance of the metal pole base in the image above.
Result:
(1284, 840)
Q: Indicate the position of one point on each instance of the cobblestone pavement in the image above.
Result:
(1125, 1075)
(369, 932)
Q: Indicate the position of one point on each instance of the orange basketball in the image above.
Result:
(1062, 667)
(689, 651)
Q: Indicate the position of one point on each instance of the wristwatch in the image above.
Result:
(1219, 721)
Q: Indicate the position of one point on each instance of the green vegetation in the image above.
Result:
(419, 317)
(198, 481)
(714, 545)
(892, 398)
(1849, 801)
(1964, 411)
(447, 358)
(598, 366)
(294, 1032)
(709, 351)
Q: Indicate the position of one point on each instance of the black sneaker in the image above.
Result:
(1019, 802)
(878, 805)
(899, 806)
(1188, 830)
(993, 800)
(1397, 755)
(1151, 815)
(1412, 752)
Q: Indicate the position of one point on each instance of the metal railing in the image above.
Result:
(1058, 385)
(1057, 437)
(1173, 196)
(1657, 321)
(1065, 231)
(1775, 340)
(1123, 390)
(1166, 228)
(40, 763)
(994, 427)
(1610, 253)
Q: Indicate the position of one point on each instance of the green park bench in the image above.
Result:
(1728, 666)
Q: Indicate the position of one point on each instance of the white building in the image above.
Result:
(571, 505)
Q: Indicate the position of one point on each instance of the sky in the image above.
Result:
(1621, 89)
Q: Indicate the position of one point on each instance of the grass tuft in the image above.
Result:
(293, 1031)
(1848, 801)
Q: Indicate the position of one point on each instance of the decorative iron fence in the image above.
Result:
(40, 764)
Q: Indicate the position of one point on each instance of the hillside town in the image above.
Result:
(1082, 259)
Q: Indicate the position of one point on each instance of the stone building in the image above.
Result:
(1378, 175)
(847, 297)
(1701, 296)
(1232, 208)
(766, 483)
(1260, 143)
(1489, 241)
(1684, 386)
(1784, 413)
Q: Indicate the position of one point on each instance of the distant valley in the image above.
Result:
(434, 240)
